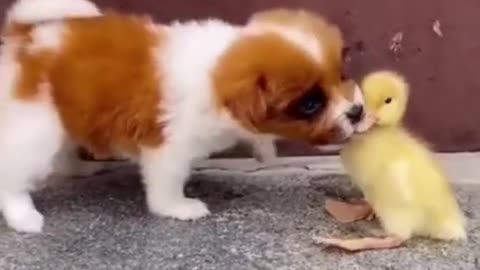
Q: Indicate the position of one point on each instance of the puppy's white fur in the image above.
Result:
(31, 134)
(307, 43)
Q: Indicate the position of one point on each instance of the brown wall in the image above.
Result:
(443, 70)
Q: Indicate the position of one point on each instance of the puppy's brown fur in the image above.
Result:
(105, 87)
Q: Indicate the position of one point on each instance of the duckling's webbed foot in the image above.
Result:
(345, 212)
(359, 244)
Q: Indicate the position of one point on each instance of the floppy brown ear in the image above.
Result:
(249, 106)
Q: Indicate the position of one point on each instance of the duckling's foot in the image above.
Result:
(348, 212)
(359, 244)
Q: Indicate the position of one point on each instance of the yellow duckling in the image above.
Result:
(397, 173)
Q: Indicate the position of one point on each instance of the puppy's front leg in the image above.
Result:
(165, 171)
(264, 149)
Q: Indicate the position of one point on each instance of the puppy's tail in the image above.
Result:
(30, 12)
(34, 11)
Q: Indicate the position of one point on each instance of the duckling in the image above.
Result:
(397, 173)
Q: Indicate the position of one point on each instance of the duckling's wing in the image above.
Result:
(392, 185)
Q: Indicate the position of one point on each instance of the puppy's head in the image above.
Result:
(283, 76)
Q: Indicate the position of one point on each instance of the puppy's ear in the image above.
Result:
(262, 83)
(250, 107)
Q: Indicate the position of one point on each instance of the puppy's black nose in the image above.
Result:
(355, 114)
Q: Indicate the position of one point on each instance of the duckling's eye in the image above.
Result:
(309, 105)
(388, 100)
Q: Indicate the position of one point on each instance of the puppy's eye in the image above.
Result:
(310, 104)
(388, 100)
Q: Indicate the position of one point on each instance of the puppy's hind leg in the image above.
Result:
(30, 136)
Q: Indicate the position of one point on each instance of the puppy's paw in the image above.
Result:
(264, 151)
(264, 157)
(28, 220)
(182, 209)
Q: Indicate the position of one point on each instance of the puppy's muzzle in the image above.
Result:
(355, 114)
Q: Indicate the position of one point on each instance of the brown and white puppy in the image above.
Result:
(162, 95)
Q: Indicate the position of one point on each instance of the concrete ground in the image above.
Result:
(263, 218)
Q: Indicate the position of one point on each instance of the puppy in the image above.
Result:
(161, 95)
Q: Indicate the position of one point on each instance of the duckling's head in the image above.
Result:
(386, 96)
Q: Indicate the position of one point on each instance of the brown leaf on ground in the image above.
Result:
(348, 212)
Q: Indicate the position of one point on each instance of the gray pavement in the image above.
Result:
(263, 218)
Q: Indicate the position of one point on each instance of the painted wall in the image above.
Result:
(436, 43)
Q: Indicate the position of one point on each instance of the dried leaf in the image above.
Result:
(348, 212)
